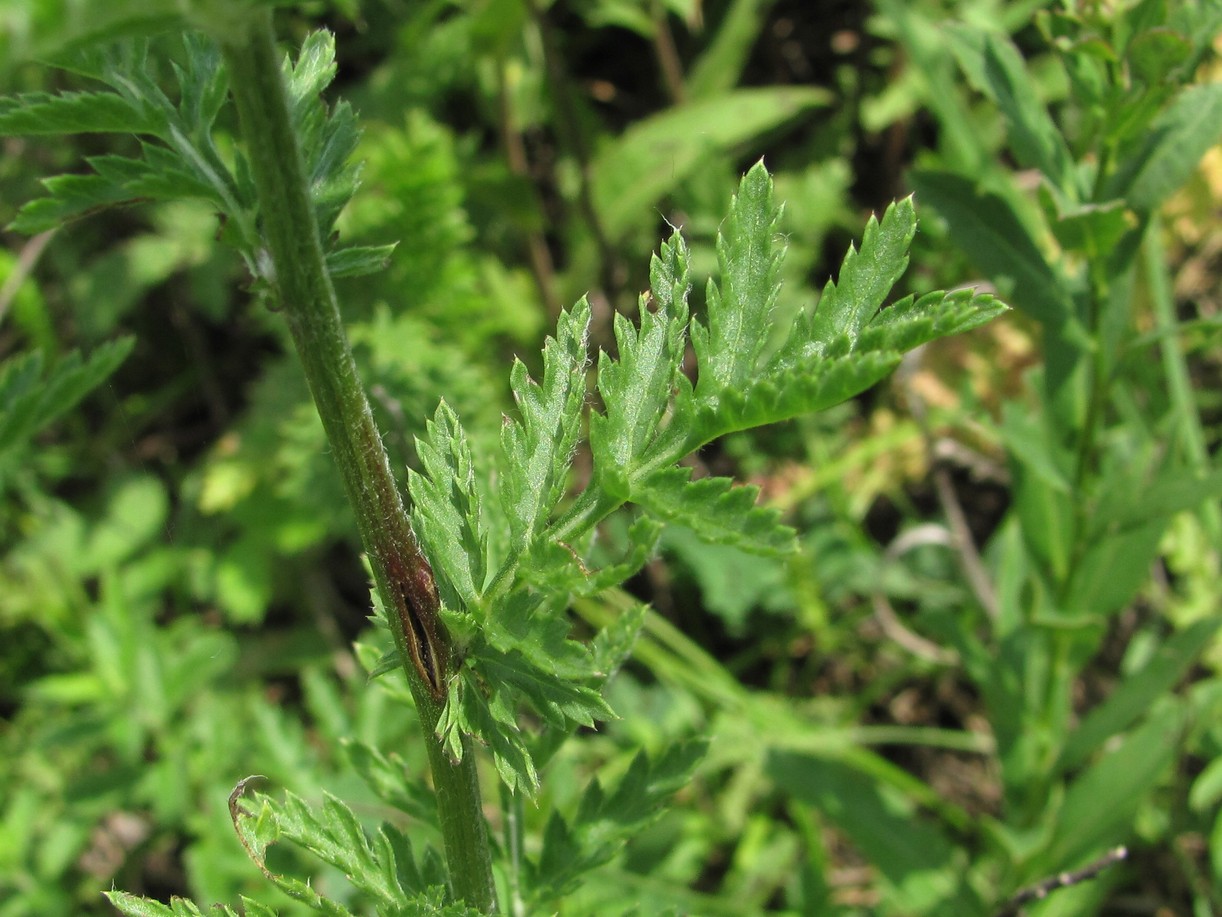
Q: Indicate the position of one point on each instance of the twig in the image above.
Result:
(885, 614)
(667, 54)
(1042, 889)
(568, 123)
(30, 253)
(961, 534)
(541, 265)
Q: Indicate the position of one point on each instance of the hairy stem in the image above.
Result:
(402, 574)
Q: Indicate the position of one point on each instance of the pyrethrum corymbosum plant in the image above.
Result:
(474, 588)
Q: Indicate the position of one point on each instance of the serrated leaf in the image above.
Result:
(135, 906)
(637, 388)
(796, 390)
(716, 510)
(604, 821)
(160, 176)
(40, 113)
(561, 703)
(335, 836)
(613, 644)
(912, 322)
(740, 307)
(468, 713)
(522, 659)
(446, 510)
(70, 196)
(390, 781)
(261, 829)
(538, 449)
(359, 260)
(327, 139)
(29, 402)
(555, 569)
(203, 83)
(252, 908)
(866, 277)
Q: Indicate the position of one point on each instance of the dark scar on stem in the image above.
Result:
(411, 592)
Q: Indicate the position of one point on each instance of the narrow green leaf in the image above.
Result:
(718, 69)
(1171, 150)
(995, 67)
(740, 308)
(1113, 570)
(988, 230)
(1136, 693)
(1175, 490)
(538, 448)
(716, 510)
(921, 868)
(1099, 806)
(1094, 229)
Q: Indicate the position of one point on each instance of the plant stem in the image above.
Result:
(401, 573)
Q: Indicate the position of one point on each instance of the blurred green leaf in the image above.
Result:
(633, 172)
(1136, 694)
(1171, 150)
(1099, 805)
(922, 868)
(986, 228)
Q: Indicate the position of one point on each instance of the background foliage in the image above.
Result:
(993, 659)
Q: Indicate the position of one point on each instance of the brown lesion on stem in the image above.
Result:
(414, 594)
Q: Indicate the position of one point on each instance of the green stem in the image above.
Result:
(401, 572)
